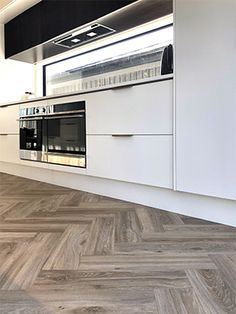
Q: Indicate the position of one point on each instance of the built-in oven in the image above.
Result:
(54, 133)
(31, 145)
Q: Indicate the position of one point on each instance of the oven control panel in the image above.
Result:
(45, 110)
(36, 111)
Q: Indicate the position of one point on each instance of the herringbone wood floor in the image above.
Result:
(66, 251)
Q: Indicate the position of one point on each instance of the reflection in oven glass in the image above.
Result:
(67, 135)
(31, 135)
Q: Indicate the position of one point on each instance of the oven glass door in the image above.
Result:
(31, 134)
(66, 139)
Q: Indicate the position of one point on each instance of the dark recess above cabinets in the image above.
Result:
(48, 19)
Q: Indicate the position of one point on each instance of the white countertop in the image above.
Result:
(138, 82)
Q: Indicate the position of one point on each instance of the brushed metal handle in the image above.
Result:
(30, 119)
(121, 87)
(122, 135)
(64, 117)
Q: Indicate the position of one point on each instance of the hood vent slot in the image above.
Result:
(84, 35)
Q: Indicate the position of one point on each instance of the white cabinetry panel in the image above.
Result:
(8, 119)
(9, 148)
(65, 100)
(141, 159)
(205, 59)
(142, 109)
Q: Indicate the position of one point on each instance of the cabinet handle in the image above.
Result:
(29, 119)
(4, 134)
(121, 87)
(122, 135)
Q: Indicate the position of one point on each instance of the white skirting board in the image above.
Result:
(198, 206)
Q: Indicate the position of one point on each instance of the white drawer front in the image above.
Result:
(142, 109)
(8, 119)
(9, 148)
(140, 159)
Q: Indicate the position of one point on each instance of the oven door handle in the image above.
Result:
(30, 119)
(65, 117)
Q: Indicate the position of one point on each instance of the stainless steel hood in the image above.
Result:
(133, 15)
(83, 35)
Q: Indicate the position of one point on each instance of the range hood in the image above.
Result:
(83, 36)
(130, 16)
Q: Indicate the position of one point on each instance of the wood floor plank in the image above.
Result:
(189, 236)
(148, 219)
(21, 268)
(177, 301)
(6, 249)
(32, 227)
(134, 278)
(21, 209)
(7, 205)
(75, 213)
(148, 261)
(105, 205)
(227, 269)
(232, 257)
(101, 237)
(127, 227)
(213, 228)
(66, 254)
(107, 301)
(195, 221)
(76, 307)
(12, 237)
(70, 219)
(212, 291)
(178, 247)
(91, 296)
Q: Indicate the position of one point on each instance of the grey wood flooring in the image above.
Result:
(66, 251)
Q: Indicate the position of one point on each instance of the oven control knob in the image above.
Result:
(37, 110)
(44, 110)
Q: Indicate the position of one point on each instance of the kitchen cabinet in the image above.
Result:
(129, 134)
(139, 159)
(205, 67)
(9, 119)
(58, 17)
(9, 148)
(48, 19)
(9, 134)
(141, 109)
(23, 31)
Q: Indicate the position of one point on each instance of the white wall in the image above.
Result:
(205, 49)
(15, 77)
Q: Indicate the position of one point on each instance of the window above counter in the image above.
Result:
(131, 60)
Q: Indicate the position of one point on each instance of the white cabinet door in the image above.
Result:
(8, 119)
(141, 109)
(9, 148)
(140, 159)
(2, 148)
(205, 59)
